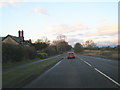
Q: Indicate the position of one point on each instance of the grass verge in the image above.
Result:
(22, 76)
(103, 54)
(12, 64)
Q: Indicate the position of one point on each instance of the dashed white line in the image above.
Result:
(102, 73)
(88, 63)
(107, 76)
(81, 59)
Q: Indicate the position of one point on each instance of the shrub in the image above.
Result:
(42, 55)
(29, 52)
(16, 53)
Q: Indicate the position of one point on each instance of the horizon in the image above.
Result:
(78, 21)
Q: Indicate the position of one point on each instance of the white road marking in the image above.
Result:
(102, 73)
(107, 76)
(53, 66)
(41, 76)
(81, 59)
(58, 63)
(88, 63)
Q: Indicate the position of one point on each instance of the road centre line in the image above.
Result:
(81, 59)
(102, 73)
(107, 77)
(88, 63)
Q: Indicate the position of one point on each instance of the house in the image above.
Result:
(16, 40)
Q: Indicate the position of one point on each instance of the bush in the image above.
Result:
(30, 52)
(16, 53)
(42, 55)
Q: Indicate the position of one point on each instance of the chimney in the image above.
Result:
(22, 34)
(19, 33)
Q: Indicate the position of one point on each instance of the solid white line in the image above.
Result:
(58, 63)
(53, 66)
(107, 76)
(88, 63)
(41, 76)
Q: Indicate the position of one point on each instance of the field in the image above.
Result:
(104, 54)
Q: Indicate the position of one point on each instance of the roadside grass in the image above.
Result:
(12, 64)
(103, 54)
(22, 76)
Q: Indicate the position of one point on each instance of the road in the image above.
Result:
(81, 72)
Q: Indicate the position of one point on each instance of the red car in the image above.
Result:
(70, 55)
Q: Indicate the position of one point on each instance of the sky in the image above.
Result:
(78, 21)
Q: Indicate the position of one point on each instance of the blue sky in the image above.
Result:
(79, 21)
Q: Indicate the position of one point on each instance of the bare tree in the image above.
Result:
(60, 44)
(61, 37)
(45, 39)
(90, 44)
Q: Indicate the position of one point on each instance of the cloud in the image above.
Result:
(73, 41)
(105, 30)
(102, 35)
(40, 11)
(106, 40)
(73, 34)
(67, 28)
(10, 2)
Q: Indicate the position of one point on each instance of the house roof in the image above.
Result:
(2, 38)
(17, 39)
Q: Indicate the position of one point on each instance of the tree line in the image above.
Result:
(90, 45)
(42, 48)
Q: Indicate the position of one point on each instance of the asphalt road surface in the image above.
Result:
(81, 72)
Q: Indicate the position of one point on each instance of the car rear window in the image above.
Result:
(70, 53)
